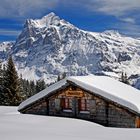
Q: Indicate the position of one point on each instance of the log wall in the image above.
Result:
(39, 108)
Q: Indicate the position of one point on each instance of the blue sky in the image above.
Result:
(91, 15)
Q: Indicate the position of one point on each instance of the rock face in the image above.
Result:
(49, 46)
(5, 49)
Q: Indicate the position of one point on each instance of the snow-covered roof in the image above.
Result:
(104, 86)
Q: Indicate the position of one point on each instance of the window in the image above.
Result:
(84, 105)
(66, 103)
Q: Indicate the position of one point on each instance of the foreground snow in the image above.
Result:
(15, 126)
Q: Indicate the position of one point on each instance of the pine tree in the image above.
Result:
(12, 86)
(40, 85)
(126, 81)
(64, 75)
(58, 78)
(32, 88)
(27, 88)
(3, 88)
(24, 85)
(1, 79)
(124, 78)
(23, 92)
(1, 75)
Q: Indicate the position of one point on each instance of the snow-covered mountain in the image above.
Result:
(5, 49)
(49, 46)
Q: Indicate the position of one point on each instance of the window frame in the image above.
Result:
(84, 105)
(67, 105)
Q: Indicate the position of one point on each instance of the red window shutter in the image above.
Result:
(63, 103)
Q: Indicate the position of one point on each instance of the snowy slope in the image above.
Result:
(49, 46)
(14, 126)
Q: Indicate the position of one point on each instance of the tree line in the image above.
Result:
(15, 89)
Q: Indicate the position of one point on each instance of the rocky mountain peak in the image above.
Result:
(45, 21)
(50, 19)
(49, 16)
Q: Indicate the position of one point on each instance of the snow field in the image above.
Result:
(15, 126)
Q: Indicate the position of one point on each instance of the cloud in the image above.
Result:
(128, 29)
(25, 8)
(114, 7)
(128, 19)
(124, 10)
(8, 32)
(28, 8)
(109, 7)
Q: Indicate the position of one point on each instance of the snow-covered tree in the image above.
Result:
(124, 78)
(61, 76)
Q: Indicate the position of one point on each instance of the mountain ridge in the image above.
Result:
(49, 46)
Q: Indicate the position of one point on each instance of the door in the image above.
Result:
(74, 107)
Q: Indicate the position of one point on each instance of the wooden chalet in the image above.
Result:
(95, 98)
